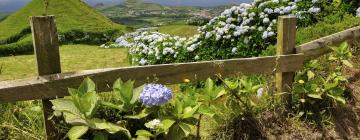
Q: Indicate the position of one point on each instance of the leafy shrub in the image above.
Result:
(81, 37)
(16, 37)
(197, 21)
(152, 110)
(242, 31)
(321, 87)
(24, 46)
(22, 42)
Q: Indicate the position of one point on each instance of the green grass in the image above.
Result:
(180, 30)
(23, 120)
(70, 15)
(73, 58)
(331, 25)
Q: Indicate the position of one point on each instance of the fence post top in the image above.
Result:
(287, 17)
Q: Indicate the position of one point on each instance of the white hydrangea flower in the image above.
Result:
(234, 50)
(156, 123)
(314, 10)
(143, 61)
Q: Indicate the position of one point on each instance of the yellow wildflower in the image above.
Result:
(301, 81)
(186, 80)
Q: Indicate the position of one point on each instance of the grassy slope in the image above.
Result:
(70, 14)
(73, 58)
(329, 26)
(180, 30)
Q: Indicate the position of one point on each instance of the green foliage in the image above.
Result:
(320, 87)
(76, 23)
(79, 111)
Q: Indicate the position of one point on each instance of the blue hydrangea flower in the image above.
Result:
(155, 95)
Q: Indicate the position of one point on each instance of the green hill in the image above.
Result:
(138, 14)
(74, 20)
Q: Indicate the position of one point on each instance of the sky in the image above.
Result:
(12, 5)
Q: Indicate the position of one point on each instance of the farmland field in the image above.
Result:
(73, 58)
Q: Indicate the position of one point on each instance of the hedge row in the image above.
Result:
(23, 43)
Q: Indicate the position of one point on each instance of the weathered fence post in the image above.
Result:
(285, 45)
(46, 48)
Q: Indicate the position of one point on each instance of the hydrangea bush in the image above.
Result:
(241, 31)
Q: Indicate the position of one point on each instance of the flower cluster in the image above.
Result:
(358, 12)
(155, 95)
(154, 124)
(241, 31)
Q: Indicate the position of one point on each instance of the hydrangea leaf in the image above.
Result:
(190, 111)
(337, 98)
(65, 105)
(167, 123)
(144, 113)
(87, 86)
(76, 132)
(185, 128)
(144, 133)
(316, 96)
(89, 103)
(136, 94)
(109, 127)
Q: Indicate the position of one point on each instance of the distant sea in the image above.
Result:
(13, 5)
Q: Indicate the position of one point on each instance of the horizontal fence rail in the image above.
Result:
(56, 85)
(320, 46)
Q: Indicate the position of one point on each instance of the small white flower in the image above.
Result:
(143, 61)
(266, 20)
(197, 57)
(153, 124)
(260, 92)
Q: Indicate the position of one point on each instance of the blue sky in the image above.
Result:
(11, 5)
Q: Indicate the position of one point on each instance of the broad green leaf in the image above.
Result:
(206, 111)
(117, 84)
(328, 86)
(166, 124)
(73, 119)
(65, 105)
(232, 85)
(142, 138)
(220, 93)
(178, 106)
(347, 63)
(316, 96)
(209, 85)
(144, 133)
(89, 103)
(185, 128)
(136, 94)
(76, 132)
(310, 75)
(109, 127)
(337, 98)
(87, 86)
(175, 133)
(145, 112)
(190, 111)
(125, 90)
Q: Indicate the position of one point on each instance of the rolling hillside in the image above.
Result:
(137, 13)
(70, 15)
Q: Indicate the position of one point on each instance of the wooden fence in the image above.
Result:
(51, 83)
